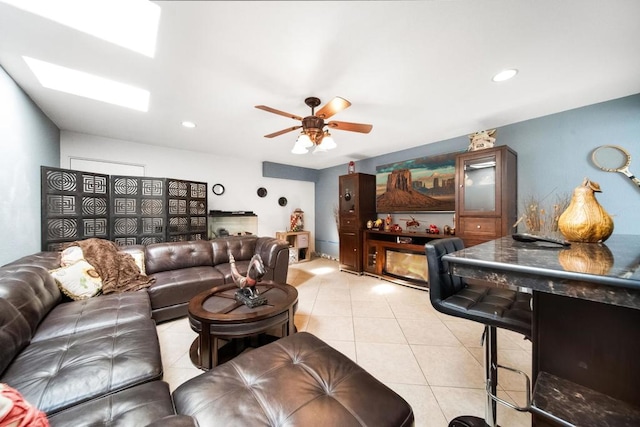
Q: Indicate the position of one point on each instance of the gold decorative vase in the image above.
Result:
(585, 220)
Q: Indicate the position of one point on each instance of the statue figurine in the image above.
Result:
(247, 293)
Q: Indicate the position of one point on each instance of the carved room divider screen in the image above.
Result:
(126, 209)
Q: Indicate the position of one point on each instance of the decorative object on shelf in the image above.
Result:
(481, 140)
(446, 230)
(296, 220)
(412, 224)
(452, 231)
(592, 259)
(352, 167)
(218, 189)
(541, 218)
(395, 228)
(613, 158)
(282, 201)
(585, 220)
(387, 222)
(247, 292)
(369, 225)
(313, 132)
(262, 192)
(417, 185)
(433, 229)
(377, 224)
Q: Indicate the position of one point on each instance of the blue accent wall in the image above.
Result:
(278, 170)
(554, 155)
(28, 140)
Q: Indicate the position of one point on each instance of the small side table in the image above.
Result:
(215, 314)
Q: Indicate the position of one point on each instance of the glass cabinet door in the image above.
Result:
(479, 184)
(371, 258)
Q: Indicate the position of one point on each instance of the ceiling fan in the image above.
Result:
(313, 132)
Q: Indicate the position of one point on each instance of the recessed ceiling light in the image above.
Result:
(188, 124)
(132, 24)
(87, 85)
(505, 75)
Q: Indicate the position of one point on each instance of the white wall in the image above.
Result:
(241, 178)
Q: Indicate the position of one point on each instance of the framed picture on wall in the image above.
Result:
(425, 184)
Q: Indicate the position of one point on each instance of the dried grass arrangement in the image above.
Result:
(541, 218)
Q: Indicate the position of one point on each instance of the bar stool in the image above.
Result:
(492, 306)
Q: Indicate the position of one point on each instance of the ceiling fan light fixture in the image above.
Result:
(327, 142)
(319, 149)
(299, 149)
(304, 141)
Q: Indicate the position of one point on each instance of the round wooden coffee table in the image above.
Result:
(216, 315)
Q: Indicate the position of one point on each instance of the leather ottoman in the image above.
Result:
(298, 380)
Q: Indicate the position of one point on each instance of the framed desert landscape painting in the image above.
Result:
(425, 184)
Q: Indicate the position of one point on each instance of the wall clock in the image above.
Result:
(218, 189)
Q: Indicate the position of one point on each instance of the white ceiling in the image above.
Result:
(419, 71)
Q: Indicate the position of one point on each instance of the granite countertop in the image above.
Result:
(571, 404)
(606, 272)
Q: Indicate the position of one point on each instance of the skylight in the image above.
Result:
(88, 85)
(132, 24)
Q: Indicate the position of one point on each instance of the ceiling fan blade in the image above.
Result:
(352, 127)
(280, 132)
(282, 113)
(332, 107)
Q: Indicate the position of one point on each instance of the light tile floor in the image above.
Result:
(433, 360)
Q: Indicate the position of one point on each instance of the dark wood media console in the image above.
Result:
(397, 256)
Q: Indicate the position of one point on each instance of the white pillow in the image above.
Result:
(70, 255)
(78, 281)
(138, 257)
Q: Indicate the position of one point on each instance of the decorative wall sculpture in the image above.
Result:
(126, 209)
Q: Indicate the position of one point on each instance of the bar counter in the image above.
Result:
(586, 323)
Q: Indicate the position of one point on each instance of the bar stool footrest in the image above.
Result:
(525, 408)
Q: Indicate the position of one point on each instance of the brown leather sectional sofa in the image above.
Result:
(97, 361)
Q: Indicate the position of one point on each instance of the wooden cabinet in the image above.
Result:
(486, 194)
(398, 256)
(356, 205)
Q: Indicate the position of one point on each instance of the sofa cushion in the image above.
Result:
(242, 248)
(107, 310)
(179, 286)
(225, 270)
(78, 280)
(46, 260)
(60, 372)
(14, 333)
(136, 406)
(177, 255)
(32, 290)
(138, 254)
(71, 255)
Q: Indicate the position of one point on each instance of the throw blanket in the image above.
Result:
(118, 270)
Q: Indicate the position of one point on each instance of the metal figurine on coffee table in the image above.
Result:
(247, 293)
